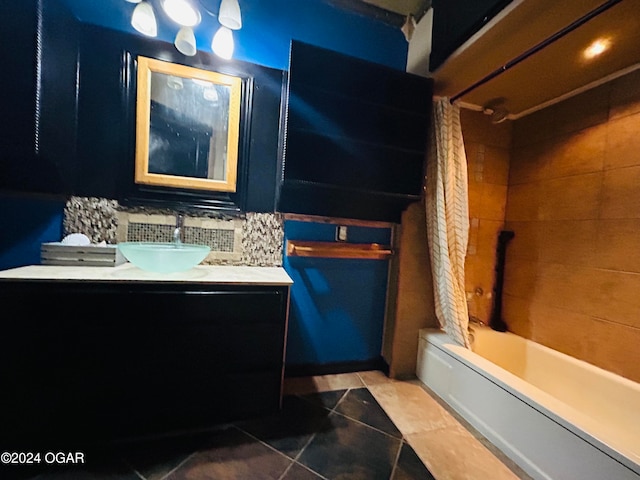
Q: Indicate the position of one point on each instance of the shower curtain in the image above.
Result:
(447, 208)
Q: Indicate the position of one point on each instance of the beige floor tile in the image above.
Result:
(411, 408)
(323, 383)
(452, 453)
(448, 449)
(374, 377)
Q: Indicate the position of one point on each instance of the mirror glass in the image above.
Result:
(187, 126)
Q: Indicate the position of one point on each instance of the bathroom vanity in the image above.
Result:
(94, 354)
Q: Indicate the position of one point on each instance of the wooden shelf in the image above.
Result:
(372, 251)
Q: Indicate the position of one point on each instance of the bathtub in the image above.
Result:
(556, 417)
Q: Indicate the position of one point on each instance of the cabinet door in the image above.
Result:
(118, 361)
(39, 98)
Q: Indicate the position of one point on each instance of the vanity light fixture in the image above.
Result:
(229, 14)
(222, 44)
(185, 41)
(230, 19)
(185, 14)
(182, 12)
(144, 19)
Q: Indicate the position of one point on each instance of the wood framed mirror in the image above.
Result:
(187, 126)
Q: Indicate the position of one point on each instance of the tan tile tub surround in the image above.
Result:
(552, 414)
(487, 149)
(573, 268)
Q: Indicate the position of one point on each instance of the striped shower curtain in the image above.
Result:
(447, 208)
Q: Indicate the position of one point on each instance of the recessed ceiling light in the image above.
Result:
(596, 48)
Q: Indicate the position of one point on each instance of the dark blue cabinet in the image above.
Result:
(356, 136)
(92, 362)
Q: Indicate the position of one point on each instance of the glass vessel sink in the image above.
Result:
(164, 257)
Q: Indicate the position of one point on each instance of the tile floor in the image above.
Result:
(350, 426)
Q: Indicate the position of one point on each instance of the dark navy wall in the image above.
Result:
(25, 224)
(268, 27)
(336, 316)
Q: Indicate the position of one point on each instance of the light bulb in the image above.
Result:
(596, 48)
(144, 20)
(229, 14)
(182, 12)
(222, 44)
(185, 41)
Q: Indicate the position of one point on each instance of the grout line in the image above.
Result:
(304, 447)
(285, 471)
(309, 469)
(281, 477)
(355, 420)
(293, 460)
(395, 463)
(271, 447)
(302, 395)
(137, 473)
(126, 461)
(178, 466)
(340, 400)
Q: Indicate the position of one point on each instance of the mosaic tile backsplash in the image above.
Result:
(262, 239)
(254, 239)
(95, 217)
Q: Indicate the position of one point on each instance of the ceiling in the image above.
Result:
(551, 74)
(393, 12)
(402, 7)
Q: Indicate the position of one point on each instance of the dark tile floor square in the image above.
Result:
(350, 449)
(342, 434)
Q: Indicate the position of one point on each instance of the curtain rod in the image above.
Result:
(546, 42)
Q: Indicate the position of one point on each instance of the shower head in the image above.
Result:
(497, 114)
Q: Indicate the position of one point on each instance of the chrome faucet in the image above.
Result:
(177, 232)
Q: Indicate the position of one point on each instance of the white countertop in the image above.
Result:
(220, 274)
